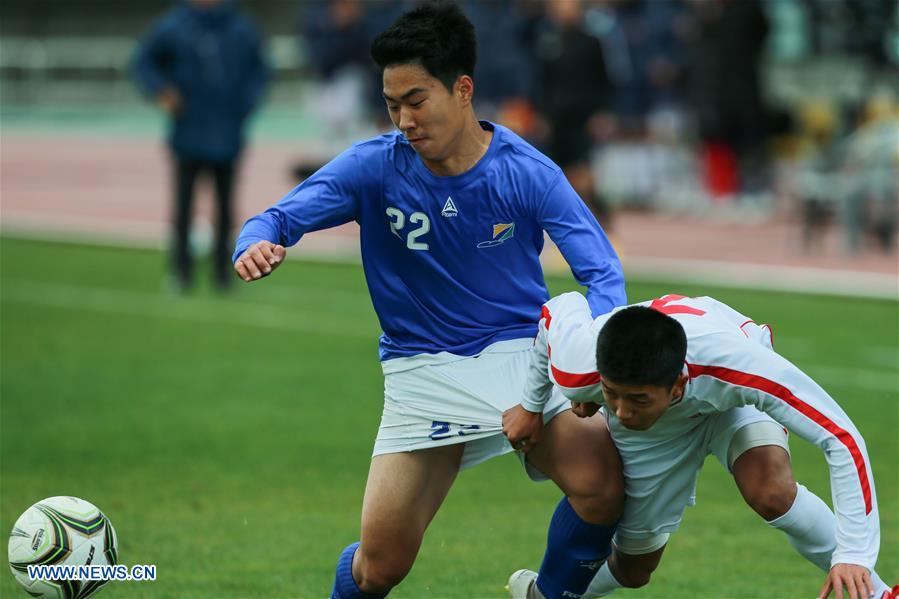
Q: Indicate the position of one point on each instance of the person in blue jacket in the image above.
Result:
(203, 63)
(452, 212)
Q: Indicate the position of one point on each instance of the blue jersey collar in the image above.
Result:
(471, 174)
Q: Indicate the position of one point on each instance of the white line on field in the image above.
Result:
(855, 378)
(266, 316)
(135, 303)
(828, 281)
(326, 246)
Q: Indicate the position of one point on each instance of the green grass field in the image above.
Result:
(228, 439)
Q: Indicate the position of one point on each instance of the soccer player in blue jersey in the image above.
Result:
(452, 212)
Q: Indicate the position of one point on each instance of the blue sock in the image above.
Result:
(574, 552)
(345, 586)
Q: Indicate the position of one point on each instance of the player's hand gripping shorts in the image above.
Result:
(442, 399)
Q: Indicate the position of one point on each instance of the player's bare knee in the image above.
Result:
(765, 479)
(600, 503)
(596, 494)
(772, 501)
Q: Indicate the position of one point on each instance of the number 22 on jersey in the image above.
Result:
(397, 222)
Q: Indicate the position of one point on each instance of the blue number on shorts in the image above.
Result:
(440, 430)
(443, 430)
(467, 427)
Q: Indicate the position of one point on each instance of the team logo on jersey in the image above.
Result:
(501, 232)
(449, 209)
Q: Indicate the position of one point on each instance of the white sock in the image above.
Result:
(602, 584)
(810, 527)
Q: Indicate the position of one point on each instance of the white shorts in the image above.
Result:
(443, 399)
(661, 468)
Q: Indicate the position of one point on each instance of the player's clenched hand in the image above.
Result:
(584, 410)
(259, 260)
(856, 579)
(522, 428)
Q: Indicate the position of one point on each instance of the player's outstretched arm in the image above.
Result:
(259, 260)
(754, 375)
(856, 580)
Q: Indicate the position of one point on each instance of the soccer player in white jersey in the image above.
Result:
(679, 379)
(452, 213)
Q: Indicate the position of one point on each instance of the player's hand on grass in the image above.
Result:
(584, 410)
(856, 579)
(259, 260)
(522, 427)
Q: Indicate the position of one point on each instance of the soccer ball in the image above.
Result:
(64, 531)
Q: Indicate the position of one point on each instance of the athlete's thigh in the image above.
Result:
(761, 468)
(764, 472)
(402, 495)
(754, 447)
(739, 430)
(577, 454)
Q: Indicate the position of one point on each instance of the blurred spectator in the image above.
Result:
(853, 177)
(871, 165)
(504, 71)
(855, 27)
(336, 42)
(644, 45)
(726, 93)
(644, 48)
(335, 36)
(379, 15)
(203, 64)
(816, 135)
(573, 95)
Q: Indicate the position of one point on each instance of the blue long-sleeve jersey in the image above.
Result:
(452, 263)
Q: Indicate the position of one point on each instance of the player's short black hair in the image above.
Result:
(641, 346)
(437, 35)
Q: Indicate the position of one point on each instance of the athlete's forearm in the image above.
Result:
(262, 227)
(596, 266)
(585, 247)
(538, 386)
(607, 290)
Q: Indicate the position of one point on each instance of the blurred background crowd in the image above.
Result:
(747, 108)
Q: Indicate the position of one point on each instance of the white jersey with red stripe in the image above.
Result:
(731, 362)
